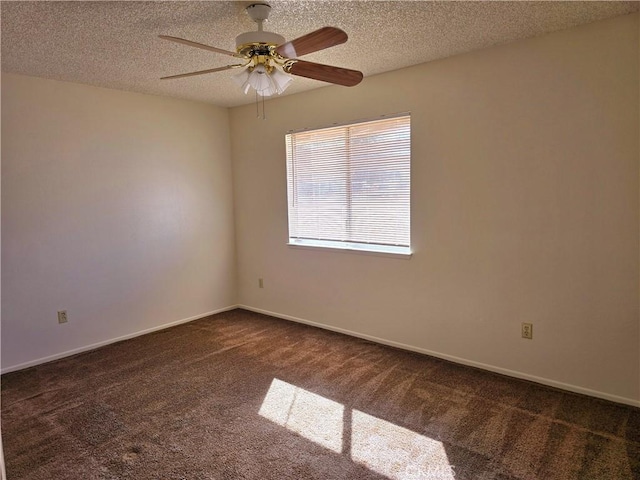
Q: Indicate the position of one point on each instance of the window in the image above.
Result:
(349, 186)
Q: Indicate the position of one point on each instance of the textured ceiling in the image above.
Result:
(116, 44)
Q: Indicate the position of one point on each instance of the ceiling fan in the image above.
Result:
(269, 59)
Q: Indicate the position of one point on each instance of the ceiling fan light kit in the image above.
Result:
(263, 81)
(269, 60)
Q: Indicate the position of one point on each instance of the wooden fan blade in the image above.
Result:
(312, 42)
(202, 72)
(326, 73)
(199, 45)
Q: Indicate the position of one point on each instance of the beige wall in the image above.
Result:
(116, 207)
(524, 209)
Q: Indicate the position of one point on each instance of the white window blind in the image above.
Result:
(349, 186)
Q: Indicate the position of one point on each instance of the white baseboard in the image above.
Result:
(463, 361)
(93, 346)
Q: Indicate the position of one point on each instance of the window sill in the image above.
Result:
(363, 249)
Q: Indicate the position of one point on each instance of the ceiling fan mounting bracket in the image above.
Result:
(259, 41)
(259, 12)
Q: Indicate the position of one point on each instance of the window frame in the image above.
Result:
(348, 245)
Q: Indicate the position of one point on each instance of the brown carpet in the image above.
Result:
(245, 396)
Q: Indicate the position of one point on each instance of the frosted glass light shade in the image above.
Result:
(263, 82)
(242, 79)
(260, 81)
(281, 80)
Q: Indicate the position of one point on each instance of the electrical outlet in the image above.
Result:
(62, 316)
(527, 330)
(260, 283)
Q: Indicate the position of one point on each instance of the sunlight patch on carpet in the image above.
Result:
(397, 452)
(314, 417)
(381, 446)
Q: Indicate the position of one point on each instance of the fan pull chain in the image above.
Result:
(258, 107)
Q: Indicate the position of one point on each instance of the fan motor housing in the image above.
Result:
(260, 43)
